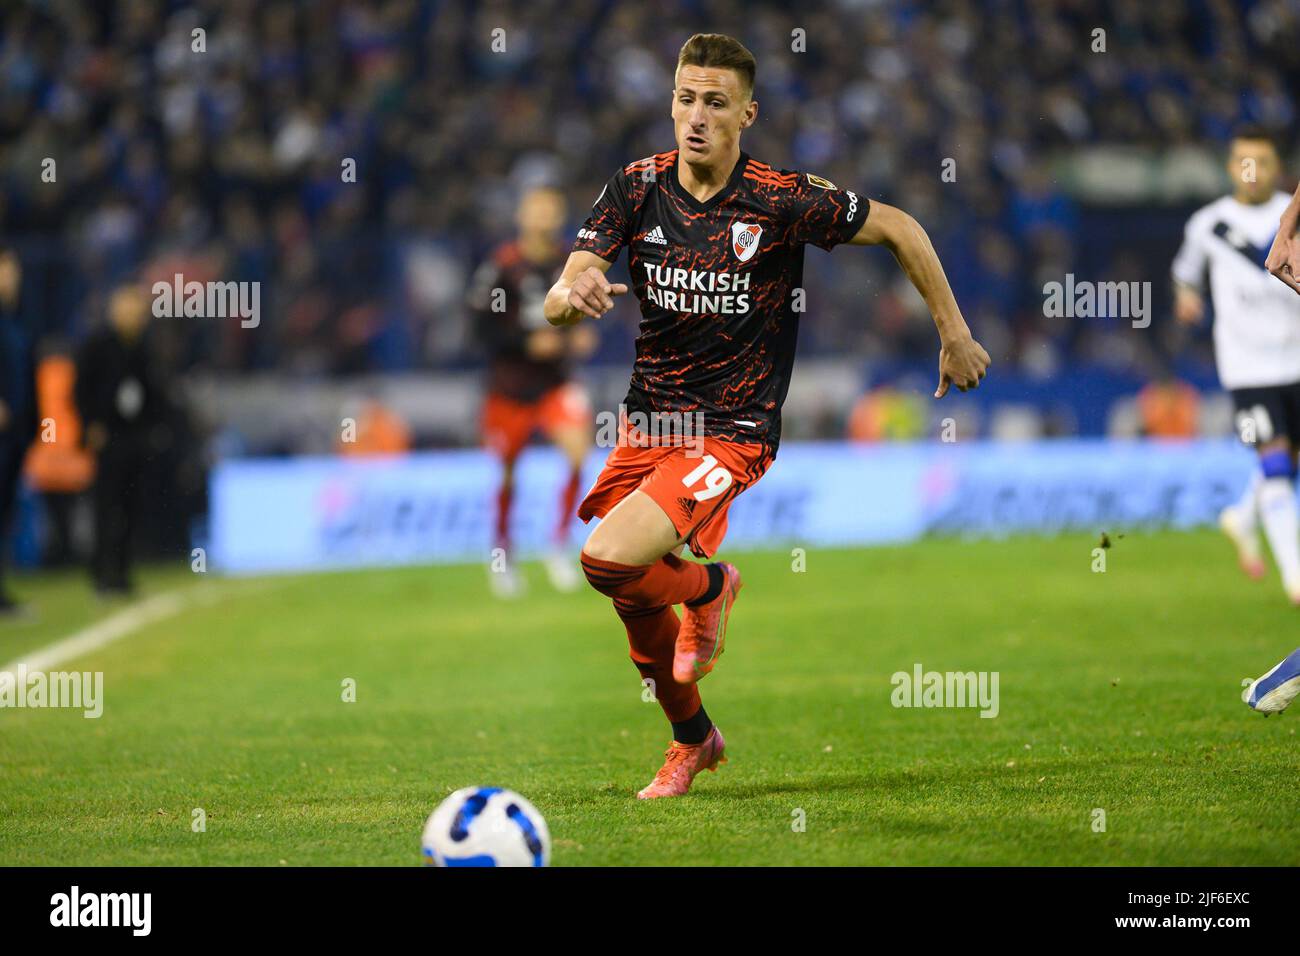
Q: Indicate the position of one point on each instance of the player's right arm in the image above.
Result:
(582, 289)
(1189, 267)
(1189, 304)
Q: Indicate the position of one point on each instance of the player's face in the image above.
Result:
(1254, 167)
(128, 310)
(710, 108)
(541, 212)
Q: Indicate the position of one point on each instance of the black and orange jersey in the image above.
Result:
(717, 284)
(506, 296)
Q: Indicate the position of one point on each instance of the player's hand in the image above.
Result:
(592, 294)
(962, 362)
(1284, 260)
(1189, 308)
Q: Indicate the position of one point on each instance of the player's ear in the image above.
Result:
(751, 115)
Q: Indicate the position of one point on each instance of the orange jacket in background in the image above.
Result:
(56, 462)
(379, 431)
(1169, 409)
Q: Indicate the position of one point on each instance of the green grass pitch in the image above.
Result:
(1119, 691)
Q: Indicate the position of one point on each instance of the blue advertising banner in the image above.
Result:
(309, 513)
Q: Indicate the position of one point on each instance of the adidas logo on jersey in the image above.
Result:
(655, 235)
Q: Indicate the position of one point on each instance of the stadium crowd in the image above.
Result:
(224, 153)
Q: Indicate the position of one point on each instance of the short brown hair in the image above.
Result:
(720, 51)
(1258, 132)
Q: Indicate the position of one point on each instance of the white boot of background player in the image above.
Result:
(506, 581)
(562, 569)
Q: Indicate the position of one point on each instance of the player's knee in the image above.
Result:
(613, 578)
(611, 540)
(598, 547)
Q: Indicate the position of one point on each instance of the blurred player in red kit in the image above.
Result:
(530, 387)
(715, 244)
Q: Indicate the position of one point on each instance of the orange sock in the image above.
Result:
(652, 635)
(670, 580)
(568, 502)
(505, 494)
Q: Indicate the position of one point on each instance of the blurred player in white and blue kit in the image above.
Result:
(1256, 346)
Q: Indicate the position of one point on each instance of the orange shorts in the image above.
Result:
(508, 424)
(693, 486)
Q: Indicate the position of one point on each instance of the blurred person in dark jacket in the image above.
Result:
(17, 404)
(121, 403)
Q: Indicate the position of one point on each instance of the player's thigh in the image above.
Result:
(636, 531)
(507, 425)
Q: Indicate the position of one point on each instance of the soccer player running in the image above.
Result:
(1256, 346)
(715, 248)
(1276, 689)
(530, 384)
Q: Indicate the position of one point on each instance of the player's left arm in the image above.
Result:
(962, 361)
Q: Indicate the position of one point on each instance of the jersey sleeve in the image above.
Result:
(822, 214)
(609, 226)
(1191, 261)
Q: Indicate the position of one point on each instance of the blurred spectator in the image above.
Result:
(121, 402)
(887, 414)
(379, 430)
(58, 467)
(17, 404)
(1169, 408)
(359, 157)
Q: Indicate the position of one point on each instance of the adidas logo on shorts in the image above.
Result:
(655, 235)
(687, 505)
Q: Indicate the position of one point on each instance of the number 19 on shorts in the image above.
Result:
(716, 478)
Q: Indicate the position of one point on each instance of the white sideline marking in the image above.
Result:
(97, 635)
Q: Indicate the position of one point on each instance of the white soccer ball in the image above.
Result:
(486, 826)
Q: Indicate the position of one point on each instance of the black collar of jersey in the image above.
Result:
(717, 197)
